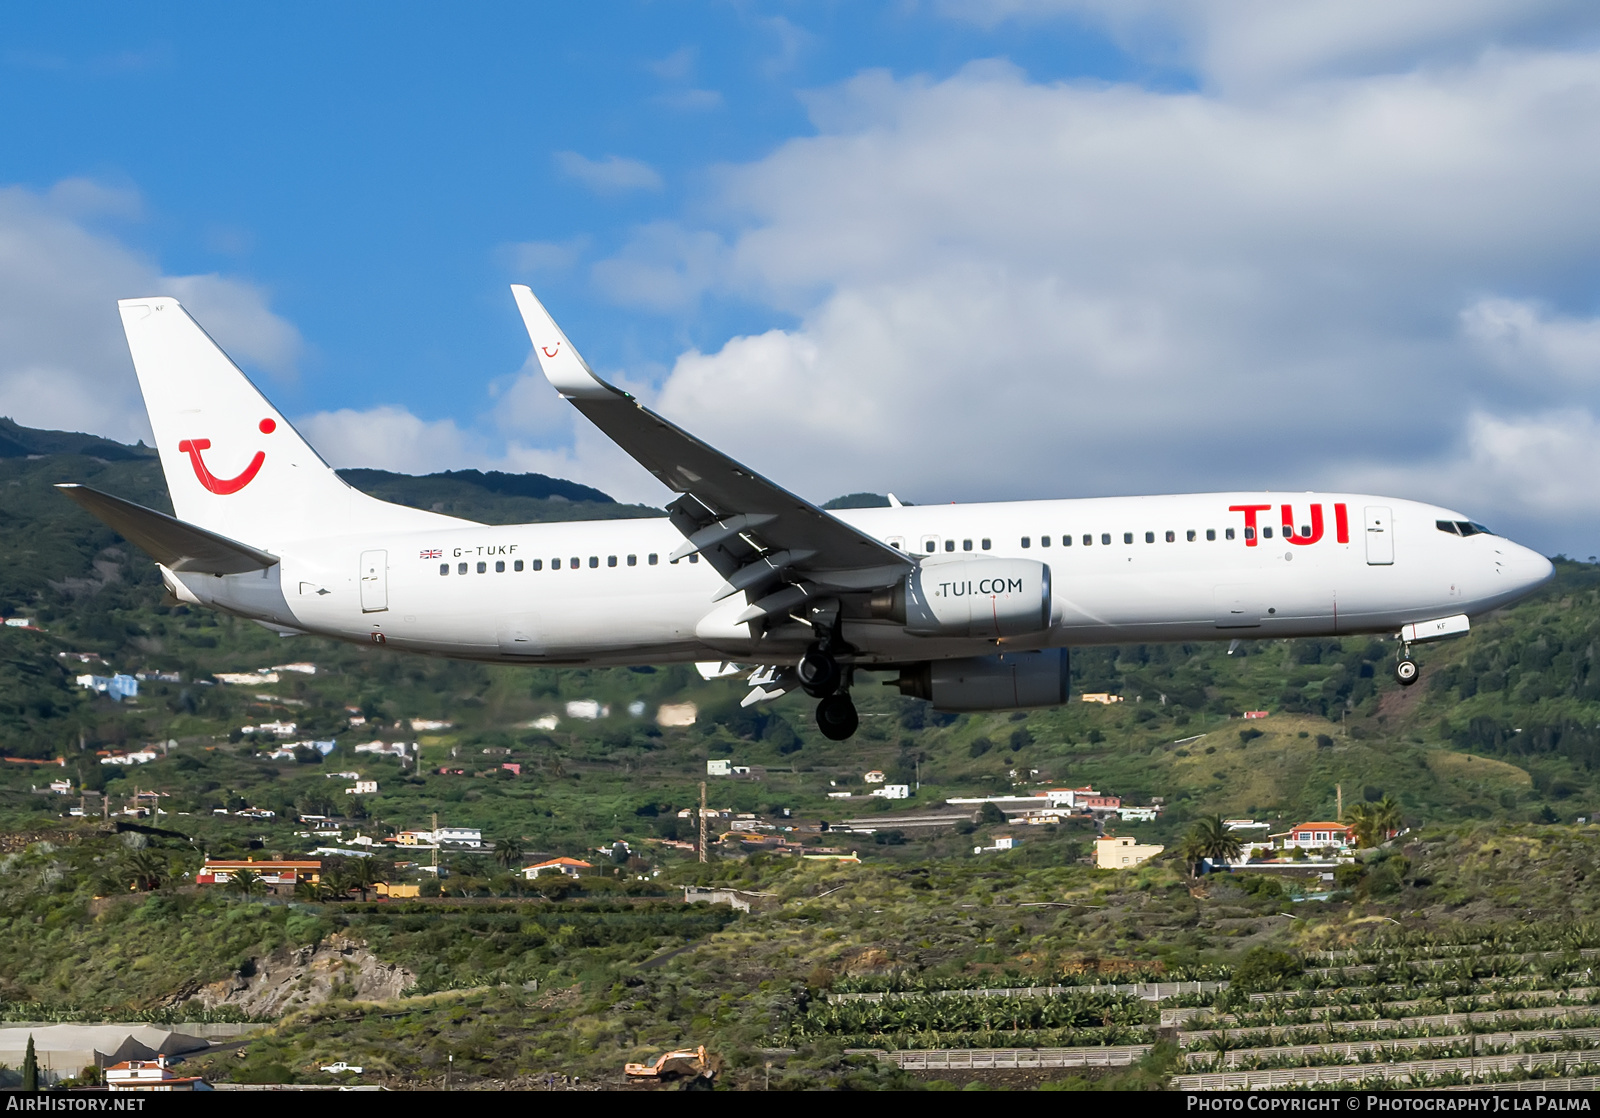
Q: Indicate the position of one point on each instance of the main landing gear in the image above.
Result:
(1407, 671)
(821, 677)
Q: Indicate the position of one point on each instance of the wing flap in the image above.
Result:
(175, 544)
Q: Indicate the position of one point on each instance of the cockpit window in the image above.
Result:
(1462, 528)
(1447, 526)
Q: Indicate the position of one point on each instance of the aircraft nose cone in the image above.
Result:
(1530, 568)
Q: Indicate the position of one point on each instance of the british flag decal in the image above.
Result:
(435, 553)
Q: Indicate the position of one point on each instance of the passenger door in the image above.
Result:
(1380, 536)
(374, 581)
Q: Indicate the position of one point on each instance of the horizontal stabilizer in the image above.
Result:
(173, 543)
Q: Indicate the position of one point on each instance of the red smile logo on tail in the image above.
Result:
(223, 486)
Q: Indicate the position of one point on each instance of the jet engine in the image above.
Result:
(970, 598)
(1009, 681)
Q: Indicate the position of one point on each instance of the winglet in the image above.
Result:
(563, 366)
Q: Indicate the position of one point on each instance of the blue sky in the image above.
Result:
(370, 164)
(960, 249)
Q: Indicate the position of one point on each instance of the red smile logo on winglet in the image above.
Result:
(223, 486)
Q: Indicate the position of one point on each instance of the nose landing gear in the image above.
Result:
(1407, 671)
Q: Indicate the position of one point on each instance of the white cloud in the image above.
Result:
(615, 174)
(63, 361)
(1262, 44)
(528, 258)
(1008, 289)
(390, 438)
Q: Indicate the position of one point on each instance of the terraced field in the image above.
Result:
(1403, 1014)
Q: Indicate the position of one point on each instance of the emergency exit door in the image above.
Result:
(374, 581)
(1380, 536)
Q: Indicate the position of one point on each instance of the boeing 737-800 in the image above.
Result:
(972, 606)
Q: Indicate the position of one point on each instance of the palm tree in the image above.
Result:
(307, 891)
(1210, 838)
(145, 870)
(1363, 824)
(508, 852)
(364, 875)
(248, 883)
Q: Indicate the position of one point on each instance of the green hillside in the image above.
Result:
(1494, 750)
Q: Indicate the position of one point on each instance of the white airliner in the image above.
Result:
(973, 606)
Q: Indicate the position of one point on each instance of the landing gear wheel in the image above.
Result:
(837, 718)
(819, 674)
(1407, 671)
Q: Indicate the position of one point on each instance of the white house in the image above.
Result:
(420, 724)
(893, 791)
(363, 788)
(719, 766)
(1123, 853)
(873, 777)
(460, 836)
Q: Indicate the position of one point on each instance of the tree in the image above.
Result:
(364, 875)
(1372, 824)
(989, 813)
(1210, 839)
(507, 852)
(247, 883)
(145, 870)
(308, 891)
(30, 1068)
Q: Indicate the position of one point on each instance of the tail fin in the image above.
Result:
(234, 465)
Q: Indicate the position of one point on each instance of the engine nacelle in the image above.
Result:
(971, 598)
(1009, 681)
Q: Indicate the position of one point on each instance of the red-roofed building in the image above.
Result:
(150, 1075)
(1315, 836)
(569, 866)
(216, 872)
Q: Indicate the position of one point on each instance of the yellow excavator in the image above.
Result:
(682, 1063)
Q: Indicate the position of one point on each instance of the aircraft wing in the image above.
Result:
(175, 544)
(763, 539)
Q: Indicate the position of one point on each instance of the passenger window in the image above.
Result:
(482, 567)
(949, 545)
(986, 544)
(930, 544)
(1066, 541)
(499, 566)
(1149, 537)
(653, 559)
(1127, 537)
(1172, 537)
(1105, 539)
(966, 545)
(461, 568)
(1027, 541)
(1249, 533)
(1044, 541)
(695, 558)
(594, 560)
(1266, 533)
(1228, 533)
(611, 560)
(555, 564)
(633, 560)
(517, 566)
(444, 568)
(895, 544)
(1191, 535)
(575, 564)
(538, 564)
(1211, 534)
